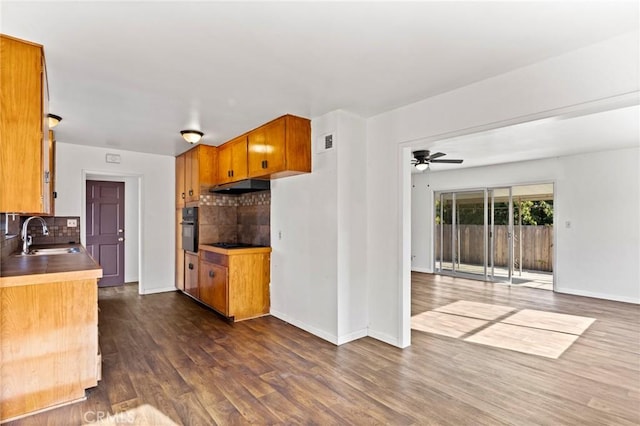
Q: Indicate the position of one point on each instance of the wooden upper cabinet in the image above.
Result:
(181, 195)
(280, 148)
(51, 192)
(196, 171)
(24, 135)
(232, 160)
(267, 148)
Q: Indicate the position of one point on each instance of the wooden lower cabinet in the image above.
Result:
(235, 282)
(49, 347)
(191, 274)
(179, 252)
(214, 286)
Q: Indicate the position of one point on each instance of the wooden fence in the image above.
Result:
(537, 246)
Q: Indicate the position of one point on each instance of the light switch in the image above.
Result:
(72, 223)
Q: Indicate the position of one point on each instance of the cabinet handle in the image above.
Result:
(191, 266)
(211, 274)
(228, 173)
(183, 195)
(231, 173)
(190, 192)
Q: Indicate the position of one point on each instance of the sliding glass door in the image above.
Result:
(460, 235)
(474, 234)
(500, 234)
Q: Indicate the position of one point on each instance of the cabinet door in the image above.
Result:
(191, 274)
(213, 286)
(21, 126)
(267, 149)
(239, 158)
(232, 160)
(51, 193)
(224, 163)
(193, 172)
(179, 252)
(180, 182)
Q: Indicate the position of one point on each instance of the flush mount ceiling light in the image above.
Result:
(54, 120)
(191, 136)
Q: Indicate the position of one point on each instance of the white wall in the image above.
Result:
(602, 70)
(597, 192)
(353, 318)
(156, 188)
(304, 238)
(131, 222)
(318, 266)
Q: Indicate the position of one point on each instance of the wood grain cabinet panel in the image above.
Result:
(232, 160)
(196, 172)
(179, 252)
(214, 286)
(235, 282)
(49, 345)
(191, 274)
(280, 148)
(24, 133)
(181, 194)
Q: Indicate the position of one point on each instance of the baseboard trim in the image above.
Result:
(306, 327)
(359, 334)
(423, 270)
(156, 290)
(596, 295)
(383, 337)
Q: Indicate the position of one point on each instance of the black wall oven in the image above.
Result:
(190, 229)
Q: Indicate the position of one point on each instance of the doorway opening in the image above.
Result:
(501, 234)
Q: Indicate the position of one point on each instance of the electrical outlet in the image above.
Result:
(72, 223)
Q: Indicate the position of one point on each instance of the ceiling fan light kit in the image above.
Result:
(422, 159)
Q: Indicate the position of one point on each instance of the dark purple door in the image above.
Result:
(105, 229)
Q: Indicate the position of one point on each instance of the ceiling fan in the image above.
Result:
(422, 159)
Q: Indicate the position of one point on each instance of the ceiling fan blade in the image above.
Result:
(436, 155)
(447, 161)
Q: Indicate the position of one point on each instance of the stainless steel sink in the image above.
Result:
(52, 251)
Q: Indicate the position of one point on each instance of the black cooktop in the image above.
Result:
(233, 245)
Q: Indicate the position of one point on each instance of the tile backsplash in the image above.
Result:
(242, 218)
(59, 232)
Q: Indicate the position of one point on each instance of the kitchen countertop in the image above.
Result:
(234, 251)
(19, 270)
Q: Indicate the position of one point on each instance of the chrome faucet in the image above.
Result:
(26, 238)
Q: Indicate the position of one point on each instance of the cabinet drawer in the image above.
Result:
(217, 258)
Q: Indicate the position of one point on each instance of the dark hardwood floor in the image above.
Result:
(169, 352)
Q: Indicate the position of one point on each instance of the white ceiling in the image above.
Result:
(131, 75)
(550, 137)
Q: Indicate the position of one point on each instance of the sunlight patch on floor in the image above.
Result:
(541, 333)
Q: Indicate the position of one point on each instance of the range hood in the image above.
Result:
(242, 186)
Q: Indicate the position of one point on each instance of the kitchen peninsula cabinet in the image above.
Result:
(24, 134)
(232, 160)
(280, 148)
(196, 171)
(235, 282)
(49, 350)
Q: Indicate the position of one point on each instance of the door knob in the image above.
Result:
(211, 274)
